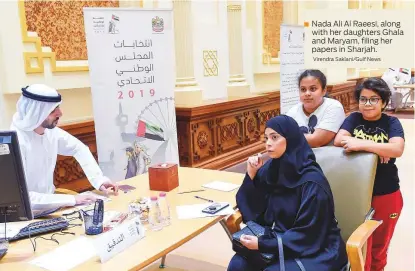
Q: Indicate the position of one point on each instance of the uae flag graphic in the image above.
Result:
(149, 131)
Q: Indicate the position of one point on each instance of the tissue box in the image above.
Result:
(163, 177)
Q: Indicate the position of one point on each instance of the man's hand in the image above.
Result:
(250, 242)
(253, 164)
(353, 144)
(107, 186)
(84, 199)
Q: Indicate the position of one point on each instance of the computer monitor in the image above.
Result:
(14, 197)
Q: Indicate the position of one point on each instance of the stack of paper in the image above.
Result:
(98, 196)
(72, 254)
(12, 228)
(221, 186)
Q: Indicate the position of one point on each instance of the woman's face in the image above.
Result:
(275, 143)
(370, 104)
(311, 93)
(137, 148)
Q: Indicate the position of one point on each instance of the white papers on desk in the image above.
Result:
(221, 186)
(72, 254)
(86, 206)
(13, 228)
(195, 211)
(98, 196)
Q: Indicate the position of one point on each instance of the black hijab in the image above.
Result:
(293, 169)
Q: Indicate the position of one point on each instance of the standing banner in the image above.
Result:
(291, 64)
(132, 70)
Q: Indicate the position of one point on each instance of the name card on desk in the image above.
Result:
(117, 240)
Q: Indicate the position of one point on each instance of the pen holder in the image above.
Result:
(93, 219)
(163, 177)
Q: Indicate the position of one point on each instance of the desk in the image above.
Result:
(155, 244)
(407, 95)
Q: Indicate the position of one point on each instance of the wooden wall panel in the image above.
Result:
(183, 141)
(252, 127)
(68, 174)
(203, 140)
(235, 125)
(344, 93)
(216, 135)
(229, 133)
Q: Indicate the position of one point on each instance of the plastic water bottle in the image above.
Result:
(154, 215)
(164, 210)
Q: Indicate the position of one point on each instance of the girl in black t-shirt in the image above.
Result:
(371, 130)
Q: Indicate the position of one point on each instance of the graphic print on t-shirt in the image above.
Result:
(375, 134)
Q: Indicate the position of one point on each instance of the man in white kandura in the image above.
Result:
(41, 141)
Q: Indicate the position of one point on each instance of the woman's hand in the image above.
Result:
(250, 242)
(384, 160)
(253, 164)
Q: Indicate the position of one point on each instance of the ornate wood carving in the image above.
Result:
(236, 126)
(344, 93)
(68, 173)
(228, 131)
(202, 139)
(251, 125)
(183, 141)
(252, 130)
(203, 142)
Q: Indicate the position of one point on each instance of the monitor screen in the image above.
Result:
(14, 197)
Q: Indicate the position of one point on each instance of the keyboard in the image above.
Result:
(4, 246)
(41, 227)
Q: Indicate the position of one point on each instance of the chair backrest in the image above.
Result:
(351, 177)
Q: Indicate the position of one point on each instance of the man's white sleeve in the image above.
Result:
(41, 202)
(69, 145)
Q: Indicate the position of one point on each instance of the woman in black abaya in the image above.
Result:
(290, 196)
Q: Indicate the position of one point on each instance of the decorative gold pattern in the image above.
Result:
(234, 8)
(210, 63)
(272, 12)
(202, 139)
(60, 25)
(39, 55)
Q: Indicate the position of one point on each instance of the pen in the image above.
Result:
(203, 199)
(192, 191)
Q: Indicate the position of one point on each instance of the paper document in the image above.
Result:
(71, 254)
(98, 196)
(109, 215)
(13, 228)
(222, 186)
(195, 211)
(86, 206)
